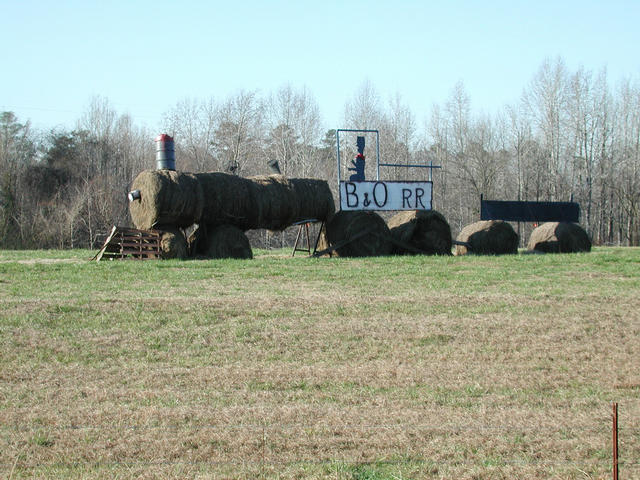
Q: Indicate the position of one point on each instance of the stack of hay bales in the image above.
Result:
(182, 199)
(559, 237)
(420, 231)
(487, 237)
(170, 199)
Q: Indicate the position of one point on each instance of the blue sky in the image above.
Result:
(145, 56)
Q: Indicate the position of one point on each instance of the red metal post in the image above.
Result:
(615, 440)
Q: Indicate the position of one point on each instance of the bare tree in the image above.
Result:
(628, 158)
(99, 123)
(238, 136)
(589, 124)
(398, 137)
(309, 132)
(17, 150)
(294, 130)
(363, 110)
(458, 110)
(484, 162)
(546, 99)
(436, 148)
(192, 123)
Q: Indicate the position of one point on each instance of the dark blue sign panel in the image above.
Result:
(518, 211)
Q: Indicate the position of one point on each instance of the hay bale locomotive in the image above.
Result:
(223, 206)
(209, 214)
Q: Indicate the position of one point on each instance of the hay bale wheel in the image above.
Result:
(173, 243)
(559, 237)
(358, 234)
(488, 237)
(167, 197)
(227, 241)
(425, 230)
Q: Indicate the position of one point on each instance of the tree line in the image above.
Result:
(571, 135)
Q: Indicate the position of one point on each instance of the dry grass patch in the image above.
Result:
(296, 368)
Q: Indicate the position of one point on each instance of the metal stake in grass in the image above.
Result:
(614, 417)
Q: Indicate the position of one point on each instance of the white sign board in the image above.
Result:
(382, 195)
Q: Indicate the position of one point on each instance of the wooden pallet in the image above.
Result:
(125, 243)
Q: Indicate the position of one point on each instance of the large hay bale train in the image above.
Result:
(218, 208)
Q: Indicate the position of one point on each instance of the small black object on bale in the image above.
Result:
(274, 166)
(173, 243)
(227, 241)
(559, 237)
(356, 233)
(487, 237)
(420, 231)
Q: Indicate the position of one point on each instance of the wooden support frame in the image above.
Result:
(303, 231)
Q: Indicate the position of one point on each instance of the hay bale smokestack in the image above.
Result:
(488, 237)
(559, 237)
(427, 231)
(165, 153)
(358, 234)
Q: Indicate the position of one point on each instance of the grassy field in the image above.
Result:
(379, 368)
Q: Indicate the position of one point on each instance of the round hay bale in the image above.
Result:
(314, 199)
(227, 241)
(266, 201)
(488, 237)
(358, 234)
(173, 244)
(276, 203)
(425, 230)
(167, 197)
(228, 200)
(559, 237)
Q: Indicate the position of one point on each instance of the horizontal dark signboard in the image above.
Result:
(519, 211)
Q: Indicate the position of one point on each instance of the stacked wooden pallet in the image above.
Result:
(129, 243)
